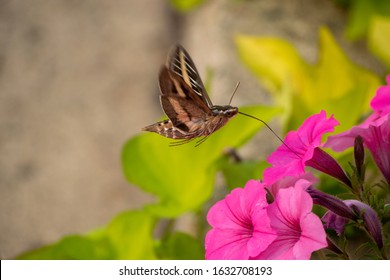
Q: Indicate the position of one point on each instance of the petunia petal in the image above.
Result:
(226, 244)
(290, 158)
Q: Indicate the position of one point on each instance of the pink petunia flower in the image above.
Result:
(245, 226)
(299, 231)
(375, 131)
(241, 226)
(302, 148)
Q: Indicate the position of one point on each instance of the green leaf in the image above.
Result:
(339, 84)
(361, 14)
(236, 174)
(180, 246)
(379, 38)
(273, 61)
(359, 19)
(74, 247)
(332, 84)
(128, 236)
(182, 177)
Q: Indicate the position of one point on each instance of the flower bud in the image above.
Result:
(334, 221)
(323, 162)
(370, 219)
(331, 203)
(359, 156)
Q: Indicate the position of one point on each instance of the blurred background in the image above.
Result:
(79, 78)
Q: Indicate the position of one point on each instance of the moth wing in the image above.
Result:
(186, 109)
(180, 62)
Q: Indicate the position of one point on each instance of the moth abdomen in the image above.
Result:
(166, 128)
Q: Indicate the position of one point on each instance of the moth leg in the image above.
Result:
(201, 140)
(180, 142)
(206, 136)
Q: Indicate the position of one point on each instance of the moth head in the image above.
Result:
(225, 111)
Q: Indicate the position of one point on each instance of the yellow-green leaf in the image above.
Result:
(333, 84)
(128, 236)
(379, 38)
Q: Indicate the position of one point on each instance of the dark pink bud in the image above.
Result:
(323, 162)
(331, 203)
(359, 156)
(370, 219)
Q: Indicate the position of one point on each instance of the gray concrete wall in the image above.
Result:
(78, 78)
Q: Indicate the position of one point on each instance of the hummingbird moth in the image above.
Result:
(184, 99)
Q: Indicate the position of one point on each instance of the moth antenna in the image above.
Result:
(234, 92)
(277, 136)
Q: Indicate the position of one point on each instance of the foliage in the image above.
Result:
(302, 89)
(362, 13)
(378, 38)
(127, 236)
